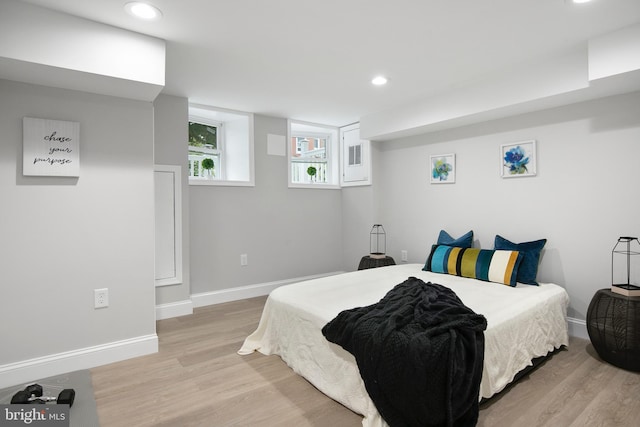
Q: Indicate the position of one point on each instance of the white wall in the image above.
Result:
(583, 198)
(358, 216)
(64, 237)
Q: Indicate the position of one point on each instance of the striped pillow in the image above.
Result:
(482, 264)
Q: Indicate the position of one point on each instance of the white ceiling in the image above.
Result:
(313, 60)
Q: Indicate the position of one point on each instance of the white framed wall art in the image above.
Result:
(442, 169)
(50, 147)
(518, 159)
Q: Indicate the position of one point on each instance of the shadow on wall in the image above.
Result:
(553, 267)
(602, 118)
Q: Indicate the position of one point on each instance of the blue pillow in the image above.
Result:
(528, 269)
(465, 241)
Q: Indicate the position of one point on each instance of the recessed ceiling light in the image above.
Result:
(379, 80)
(580, 1)
(143, 10)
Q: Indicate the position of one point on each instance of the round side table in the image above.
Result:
(613, 324)
(369, 262)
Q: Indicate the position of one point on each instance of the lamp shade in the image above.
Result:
(377, 241)
(623, 275)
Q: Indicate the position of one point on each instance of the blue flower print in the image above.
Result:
(515, 159)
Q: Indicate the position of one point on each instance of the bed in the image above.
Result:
(524, 322)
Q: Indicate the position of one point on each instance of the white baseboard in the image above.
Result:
(578, 328)
(250, 291)
(174, 309)
(55, 364)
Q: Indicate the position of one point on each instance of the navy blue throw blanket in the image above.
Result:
(419, 351)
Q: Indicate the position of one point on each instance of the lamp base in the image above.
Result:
(626, 290)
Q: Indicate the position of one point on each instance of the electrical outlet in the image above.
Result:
(101, 298)
(404, 256)
(244, 260)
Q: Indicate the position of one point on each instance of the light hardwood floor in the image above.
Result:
(197, 379)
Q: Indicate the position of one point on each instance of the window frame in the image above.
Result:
(296, 128)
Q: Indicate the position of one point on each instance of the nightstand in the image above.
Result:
(613, 323)
(369, 262)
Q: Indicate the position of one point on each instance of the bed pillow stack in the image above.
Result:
(508, 263)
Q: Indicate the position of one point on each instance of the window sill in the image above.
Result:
(316, 186)
(221, 183)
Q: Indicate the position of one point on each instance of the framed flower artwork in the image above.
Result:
(518, 159)
(443, 169)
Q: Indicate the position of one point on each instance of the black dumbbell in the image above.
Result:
(33, 394)
(24, 396)
(34, 390)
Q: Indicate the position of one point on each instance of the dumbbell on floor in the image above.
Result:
(33, 394)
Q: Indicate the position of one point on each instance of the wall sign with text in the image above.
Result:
(50, 147)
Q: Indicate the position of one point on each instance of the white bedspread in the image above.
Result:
(523, 323)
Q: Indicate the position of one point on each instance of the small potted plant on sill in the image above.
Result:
(207, 165)
(311, 171)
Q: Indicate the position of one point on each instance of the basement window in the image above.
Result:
(220, 147)
(313, 155)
